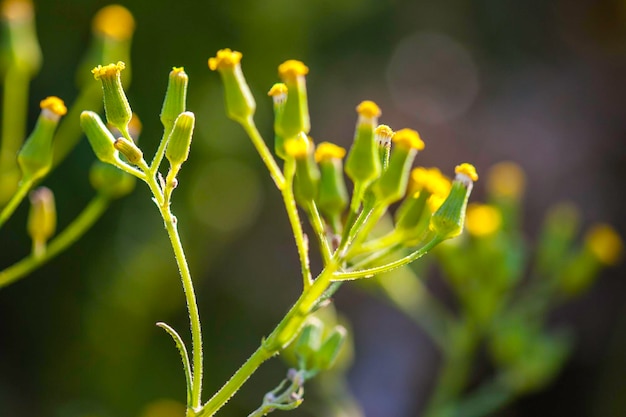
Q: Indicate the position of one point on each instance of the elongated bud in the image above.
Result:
(42, 218)
(392, 184)
(295, 117)
(482, 220)
(100, 138)
(20, 46)
(110, 181)
(179, 141)
(363, 162)
(383, 135)
(114, 22)
(331, 347)
(278, 92)
(306, 181)
(332, 198)
(447, 222)
(309, 342)
(175, 98)
(240, 104)
(35, 157)
(116, 104)
(130, 151)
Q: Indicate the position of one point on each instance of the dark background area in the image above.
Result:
(537, 82)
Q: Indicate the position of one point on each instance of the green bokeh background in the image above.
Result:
(538, 82)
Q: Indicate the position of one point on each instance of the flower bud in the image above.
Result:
(306, 181)
(506, 180)
(179, 141)
(130, 151)
(363, 162)
(42, 218)
(20, 47)
(383, 135)
(332, 198)
(240, 104)
(35, 157)
(559, 230)
(278, 92)
(447, 222)
(328, 353)
(309, 342)
(295, 117)
(482, 220)
(100, 138)
(110, 181)
(175, 98)
(605, 244)
(116, 104)
(392, 184)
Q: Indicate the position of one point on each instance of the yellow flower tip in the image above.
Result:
(482, 219)
(178, 70)
(434, 202)
(297, 147)
(384, 131)
(278, 89)
(225, 58)
(54, 105)
(368, 109)
(468, 170)
(292, 69)
(431, 180)
(17, 10)
(605, 244)
(108, 70)
(506, 179)
(114, 21)
(409, 138)
(326, 151)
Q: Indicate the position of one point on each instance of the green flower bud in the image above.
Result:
(20, 46)
(35, 157)
(447, 222)
(363, 162)
(278, 92)
(392, 184)
(409, 214)
(306, 181)
(179, 141)
(116, 104)
(309, 342)
(42, 218)
(130, 151)
(100, 138)
(175, 97)
(328, 353)
(332, 198)
(295, 117)
(110, 181)
(383, 135)
(240, 104)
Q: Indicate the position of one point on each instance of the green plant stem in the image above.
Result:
(486, 400)
(264, 152)
(90, 214)
(158, 156)
(15, 201)
(364, 273)
(185, 275)
(318, 227)
(15, 108)
(294, 220)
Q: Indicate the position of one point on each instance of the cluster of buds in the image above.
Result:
(379, 164)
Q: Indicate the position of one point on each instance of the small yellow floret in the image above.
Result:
(482, 219)
(434, 202)
(291, 69)
(384, 131)
(604, 242)
(506, 179)
(368, 109)
(277, 90)
(17, 10)
(54, 104)
(409, 138)
(297, 147)
(468, 170)
(114, 21)
(327, 150)
(431, 180)
(177, 70)
(108, 70)
(225, 58)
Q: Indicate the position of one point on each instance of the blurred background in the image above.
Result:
(536, 82)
